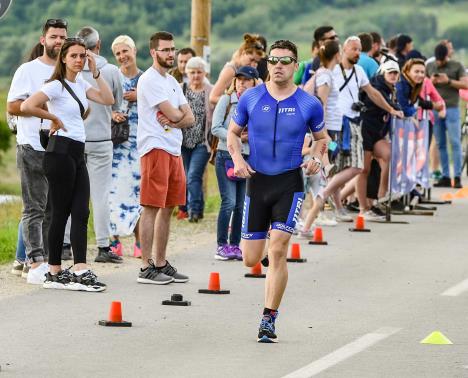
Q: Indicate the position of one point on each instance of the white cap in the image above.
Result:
(389, 66)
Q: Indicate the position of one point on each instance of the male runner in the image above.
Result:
(278, 115)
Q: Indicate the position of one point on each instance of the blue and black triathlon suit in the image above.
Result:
(276, 134)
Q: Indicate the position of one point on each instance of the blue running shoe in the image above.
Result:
(266, 332)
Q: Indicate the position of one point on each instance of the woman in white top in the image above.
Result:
(66, 95)
(248, 54)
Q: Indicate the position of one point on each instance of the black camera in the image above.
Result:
(358, 106)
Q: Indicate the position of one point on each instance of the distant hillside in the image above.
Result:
(426, 20)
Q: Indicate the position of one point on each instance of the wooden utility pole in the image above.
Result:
(201, 29)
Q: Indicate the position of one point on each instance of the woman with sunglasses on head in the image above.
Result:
(249, 54)
(374, 128)
(231, 188)
(67, 94)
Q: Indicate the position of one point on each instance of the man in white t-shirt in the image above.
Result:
(162, 113)
(28, 79)
(350, 79)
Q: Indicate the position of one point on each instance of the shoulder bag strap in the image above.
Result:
(68, 88)
(347, 79)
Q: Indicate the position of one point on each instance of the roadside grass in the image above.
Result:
(10, 214)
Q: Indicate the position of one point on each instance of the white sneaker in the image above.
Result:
(370, 216)
(306, 234)
(37, 276)
(322, 220)
(343, 216)
(17, 268)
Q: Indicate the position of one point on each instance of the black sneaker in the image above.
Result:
(105, 255)
(87, 282)
(266, 332)
(265, 262)
(60, 281)
(444, 182)
(194, 218)
(353, 207)
(378, 211)
(153, 275)
(457, 183)
(66, 252)
(170, 271)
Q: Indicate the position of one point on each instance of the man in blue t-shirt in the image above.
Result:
(278, 115)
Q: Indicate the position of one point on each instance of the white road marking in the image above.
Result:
(343, 353)
(456, 290)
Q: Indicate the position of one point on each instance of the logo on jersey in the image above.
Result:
(246, 236)
(266, 108)
(287, 111)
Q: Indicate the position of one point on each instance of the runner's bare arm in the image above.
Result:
(241, 167)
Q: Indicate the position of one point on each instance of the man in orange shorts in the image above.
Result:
(162, 113)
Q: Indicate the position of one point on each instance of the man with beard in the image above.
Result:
(162, 112)
(278, 115)
(28, 79)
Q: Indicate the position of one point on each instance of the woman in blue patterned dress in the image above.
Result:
(124, 196)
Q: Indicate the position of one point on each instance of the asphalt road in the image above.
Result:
(359, 307)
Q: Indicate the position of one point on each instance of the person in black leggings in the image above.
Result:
(66, 94)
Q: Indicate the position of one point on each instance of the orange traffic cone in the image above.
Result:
(256, 272)
(296, 254)
(359, 225)
(214, 286)
(318, 237)
(115, 317)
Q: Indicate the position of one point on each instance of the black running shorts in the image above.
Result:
(272, 201)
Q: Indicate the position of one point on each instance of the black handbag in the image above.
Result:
(120, 131)
(44, 134)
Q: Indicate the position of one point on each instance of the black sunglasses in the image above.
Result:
(284, 60)
(56, 22)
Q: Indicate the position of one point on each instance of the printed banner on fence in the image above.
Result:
(410, 144)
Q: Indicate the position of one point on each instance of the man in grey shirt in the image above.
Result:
(99, 147)
(448, 76)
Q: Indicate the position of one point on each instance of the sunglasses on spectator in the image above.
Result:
(168, 50)
(53, 22)
(284, 60)
(74, 39)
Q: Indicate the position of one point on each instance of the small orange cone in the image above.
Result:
(256, 272)
(214, 286)
(447, 196)
(318, 237)
(115, 317)
(296, 254)
(359, 225)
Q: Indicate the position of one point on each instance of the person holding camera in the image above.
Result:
(374, 128)
(350, 79)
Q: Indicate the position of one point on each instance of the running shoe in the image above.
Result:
(444, 182)
(152, 275)
(353, 207)
(17, 268)
(24, 273)
(266, 331)
(116, 247)
(342, 215)
(322, 221)
(236, 252)
(224, 253)
(370, 216)
(436, 175)
(37, 275)
(137, 250)
(181, 215)
(60, 281)
(265, 261)
(170, 271)
(306, 234)
(457, 183)
(87, 281)
(377, 210)
(105, 255)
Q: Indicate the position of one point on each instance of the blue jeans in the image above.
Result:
(451, 125)
(232, 202)
(195, 160)
(20, 247)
